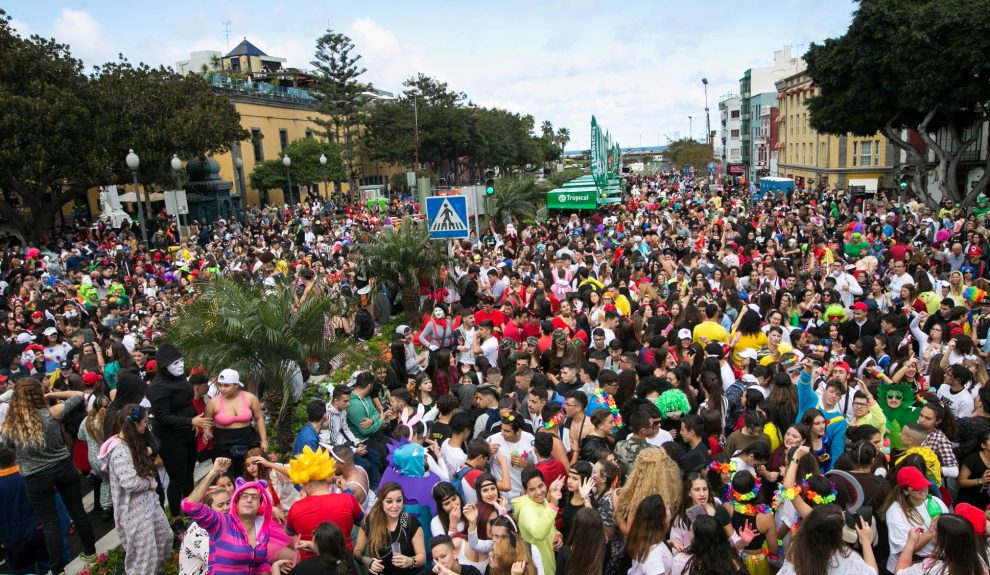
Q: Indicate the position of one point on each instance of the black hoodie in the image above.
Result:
(171, 400)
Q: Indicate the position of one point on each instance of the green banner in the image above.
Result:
(572, 199)
(605, 157)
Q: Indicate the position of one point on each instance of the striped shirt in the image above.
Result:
(230, 552)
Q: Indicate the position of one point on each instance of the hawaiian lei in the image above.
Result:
(740, 501)
(722, 467)
(607, 399)
(816, 498)
(558, 419)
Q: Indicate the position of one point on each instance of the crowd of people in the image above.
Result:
(694, 381)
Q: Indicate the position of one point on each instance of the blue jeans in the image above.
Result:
(41, 491)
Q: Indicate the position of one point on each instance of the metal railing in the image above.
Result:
(260, 89)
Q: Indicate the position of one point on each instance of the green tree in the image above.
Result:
(342, 98)
(304, 154)
(687, 152)
(399, 257)
(516, 199)
(563, 137)
(906, 65)
(258, 331)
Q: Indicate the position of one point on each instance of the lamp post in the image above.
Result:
(132, 163)
(708, 119)
(288, 175)
(690, 128)
(177, 169)
(239, 167)
(326, 183)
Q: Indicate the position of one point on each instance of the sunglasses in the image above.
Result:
(893, 395)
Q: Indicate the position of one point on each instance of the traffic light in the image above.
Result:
(489, 182)
(904, 178)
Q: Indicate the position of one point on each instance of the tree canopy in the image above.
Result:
(304, 154)
(909, 65)
(63, 132)
(688, 152)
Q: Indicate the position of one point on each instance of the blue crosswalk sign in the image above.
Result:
(447, 216)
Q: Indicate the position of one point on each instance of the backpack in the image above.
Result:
(458, 479)
(462, 283)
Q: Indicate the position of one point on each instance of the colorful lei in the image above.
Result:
(740, 501)
(609, 402)
(817, 498)
(722, 467)
(783, 495)
(557, 420)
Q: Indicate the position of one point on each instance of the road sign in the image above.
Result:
(447, 216)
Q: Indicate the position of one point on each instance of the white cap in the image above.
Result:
(684, 333)
(50, 331)
(25, 337)
(754, 307)
(230, 376)
(401, 330)
(750, 378)
(748, 353)
(365, 290)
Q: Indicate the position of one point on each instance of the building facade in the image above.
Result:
(757, 88)
(858, 164)
(730, 113)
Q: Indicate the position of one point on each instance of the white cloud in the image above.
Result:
(85, 36)
(21, 27)
(388, 62)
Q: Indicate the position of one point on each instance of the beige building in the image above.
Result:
(848, 162)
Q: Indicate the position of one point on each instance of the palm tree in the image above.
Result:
(515, 198)
(563, 136)
(258, 331)
(398, 257)
(547, 129)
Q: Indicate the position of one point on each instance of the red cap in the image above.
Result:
(976, 517)
(609, 307)
(911, 478)
(91, 378)
(37, 314)
(842, 365)
(860, 306)
(975, 251)
(151, 366)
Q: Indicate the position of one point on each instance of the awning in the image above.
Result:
(573, 199)
(863, 186)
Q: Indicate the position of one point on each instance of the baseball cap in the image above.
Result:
(25, 337)
(975, 516)
(37, 314)
(749, 353)
(911, 478)
(91, 378)
(228, 376)
(843, 366)
(684, 333)
(50, 331)
(975, 251)
(860, 306)
(402, 329)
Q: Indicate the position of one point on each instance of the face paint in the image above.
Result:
(177, 368)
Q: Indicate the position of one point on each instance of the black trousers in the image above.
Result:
(41, 489)
(180, 462)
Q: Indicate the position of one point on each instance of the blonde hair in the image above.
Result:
(654, 473)
(94, 419)
(22, 425)
(513, 546)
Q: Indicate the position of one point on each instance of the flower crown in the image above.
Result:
(814, 497)
(722, 467)
(557, 420)
(608, 401)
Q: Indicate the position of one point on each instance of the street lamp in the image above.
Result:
(239, 167)
(708, 119)
(177, 169)
(690, 128)
(326, 182)
(288, 174)
(132, 163)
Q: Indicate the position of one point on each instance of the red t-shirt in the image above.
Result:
(308, 513)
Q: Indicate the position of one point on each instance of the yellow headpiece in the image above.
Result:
(311, 466)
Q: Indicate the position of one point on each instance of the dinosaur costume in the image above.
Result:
(907, 412)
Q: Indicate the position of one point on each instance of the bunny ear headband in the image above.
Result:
(415, 419)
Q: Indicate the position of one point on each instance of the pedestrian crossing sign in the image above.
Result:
(447, 216)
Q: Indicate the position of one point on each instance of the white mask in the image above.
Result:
(438, 313)
(177, 368)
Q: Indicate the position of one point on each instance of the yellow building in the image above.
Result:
(849, 162)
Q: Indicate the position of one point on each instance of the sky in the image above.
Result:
(636, 65)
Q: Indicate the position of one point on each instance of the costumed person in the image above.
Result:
(673, 404)
(827, 405)
(312, 470)
(899, 406)
(407, 467)
(141, 523)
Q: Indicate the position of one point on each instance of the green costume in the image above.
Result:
(907, 412)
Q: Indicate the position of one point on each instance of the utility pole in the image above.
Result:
(708, 120)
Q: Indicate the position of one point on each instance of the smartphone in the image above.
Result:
(695, 512)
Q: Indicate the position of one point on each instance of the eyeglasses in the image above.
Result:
(860, 405)
(895, 395)
(251, 496)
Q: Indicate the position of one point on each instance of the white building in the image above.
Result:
(196, 61)
(730, 111)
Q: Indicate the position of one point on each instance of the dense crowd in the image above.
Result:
(694, 381)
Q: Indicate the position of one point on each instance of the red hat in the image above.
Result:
(91, 378)
(974, 251)
(37, 314)
(911, 478)
(976, 517)
(151, 366)
(860, 306)
(842, 365)
(609, 307)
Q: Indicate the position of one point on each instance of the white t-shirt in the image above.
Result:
(961, 403)
(851, 564)
(898, 528)
(523, 448)
(489, 349)
(453, 457)
(658, 562)
(660, 438)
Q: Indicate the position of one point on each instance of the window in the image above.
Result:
(733, 133)
(866, 153)
(259, 152)
(734, 114)
(283, 138)
(733, 153)
(235, 64)
(309, 133)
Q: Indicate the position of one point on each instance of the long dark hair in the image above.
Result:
(587, 541)
(817, 541)
(128, 419)
(441, 492)
(332, 549)
(711, 553)
(957, 546)
(649, 527)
